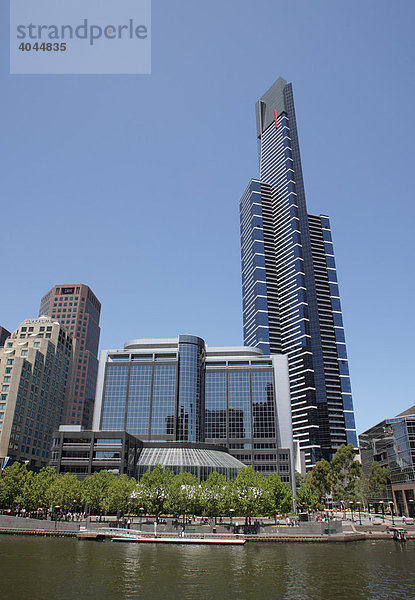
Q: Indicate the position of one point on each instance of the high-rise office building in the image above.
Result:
(291, 301)
(76, 307)
(35, 378)
(182, 391)
(4, 334)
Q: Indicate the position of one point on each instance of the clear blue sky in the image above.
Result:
(131, 184)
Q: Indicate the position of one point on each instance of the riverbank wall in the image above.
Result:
(95, 530)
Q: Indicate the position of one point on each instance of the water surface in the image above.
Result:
(66, 569)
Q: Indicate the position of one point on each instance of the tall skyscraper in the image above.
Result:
(36, 376)
(291, 301)
(76, 307)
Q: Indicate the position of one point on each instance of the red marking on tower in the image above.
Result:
(275, 117)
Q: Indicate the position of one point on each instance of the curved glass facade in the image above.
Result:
(191, 388)
(180, 390)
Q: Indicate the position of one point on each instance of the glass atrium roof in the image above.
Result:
(188, 457)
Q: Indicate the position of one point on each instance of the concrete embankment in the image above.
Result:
(95, 530)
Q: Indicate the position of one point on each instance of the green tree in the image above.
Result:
(184, 498)
(299, 480)
(308, 498)
(345, 473)
(379, 478)
(25, 498)
(12, 484)
(119, 498)
(42, 483)
(319, 478)
(278, 496)
(362, 490)
(249, 494)
(65, 492)
(94, 491)
(153, 490)
(213, 495)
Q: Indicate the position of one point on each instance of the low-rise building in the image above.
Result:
(391, 443)
(84, 452)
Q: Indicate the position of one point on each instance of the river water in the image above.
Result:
(66, 569)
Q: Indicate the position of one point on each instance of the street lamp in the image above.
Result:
(57, 507)
(141, 509)
(351, 509)
(392, 513)
(360, 517)
(411, 508)
(383, 510)
(231, 511)
(343, 508)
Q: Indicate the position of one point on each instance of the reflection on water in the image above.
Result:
(66, 569)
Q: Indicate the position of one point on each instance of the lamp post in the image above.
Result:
(57, 507)
(231, 511)
(351, 509)
(360, 517)
(392, 513)
(411, 508)
(141, 509)
(383, 510)
(343, 508)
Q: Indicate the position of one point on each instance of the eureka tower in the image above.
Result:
(291, 301)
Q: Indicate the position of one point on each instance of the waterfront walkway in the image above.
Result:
(334, 530)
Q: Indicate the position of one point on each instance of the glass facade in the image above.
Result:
(187, 395)
(391, 444)
(140, 399)
(164, 400)
(290, 293)
(216, 425)
(201, 462)
(191, 388)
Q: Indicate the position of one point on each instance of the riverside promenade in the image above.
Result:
(334, 530)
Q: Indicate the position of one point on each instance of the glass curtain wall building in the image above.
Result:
(291, 301)
(391, 444)
(181, 390)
